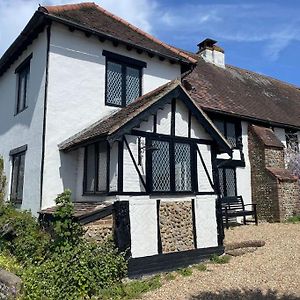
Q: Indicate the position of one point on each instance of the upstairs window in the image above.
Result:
(232, 131)
(123, 79)
(292, 141)
(96, 167)
(22, 72)
(17, 179)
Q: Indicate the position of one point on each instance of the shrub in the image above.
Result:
(9, 263)
(223, 259)
(75, 273)
(21, 235)
(2, 181)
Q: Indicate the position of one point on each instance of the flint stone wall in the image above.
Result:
(176, 226)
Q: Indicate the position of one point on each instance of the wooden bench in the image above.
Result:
(234, 207)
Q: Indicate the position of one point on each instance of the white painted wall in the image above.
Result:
(203, 181)
(206, 222)
(143, 226)
(76, 90)
(243, 175)
(27, 126)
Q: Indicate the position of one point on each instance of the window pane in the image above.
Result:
(90, 169)
(220, 126)
(21, 177)
(183, 167)
(132, 84)
(221, 182)
(14, 183)
(21, 97)
(102, 167)
(114, 83)
(231, 134)
(230, 182)
(160, 166)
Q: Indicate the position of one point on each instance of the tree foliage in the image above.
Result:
(2, 181)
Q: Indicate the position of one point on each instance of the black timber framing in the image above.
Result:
(176, 93)
(138, 267)
(120, 165)
(194, 224)
(173, 112)
(159, 243)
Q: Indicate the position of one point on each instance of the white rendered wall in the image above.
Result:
(76, 91)
(203, 180)
(27, 126)
(243, 175)
(206, 222)
(143, 226)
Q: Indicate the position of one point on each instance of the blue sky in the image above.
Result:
(263, 36)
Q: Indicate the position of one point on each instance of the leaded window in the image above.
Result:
(227, 181)
(171, 166)
(22, 73)
(17, 180)
(95, 170)
(292, 141)
(123, 79)
(230, 130)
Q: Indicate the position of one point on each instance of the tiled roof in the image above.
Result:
(112, 123)
(267, 136)
(94, 17)
(282, 174)
(80, 208)
(244, 93)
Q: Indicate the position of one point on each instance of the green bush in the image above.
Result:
(75, 273)
(9, 263)
(2, 181)
(21, 235)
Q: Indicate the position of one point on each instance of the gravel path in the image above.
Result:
(271, 272)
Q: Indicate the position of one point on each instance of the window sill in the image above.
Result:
(17, 113)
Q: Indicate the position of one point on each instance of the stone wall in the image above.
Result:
(176, 226)
(288, 193)
(10, 285)
(274, 190)
(100, 230)
(264, 192)
(274, 157)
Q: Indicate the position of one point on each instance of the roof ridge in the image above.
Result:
(265, 76)
(58, 8)
(63, 7)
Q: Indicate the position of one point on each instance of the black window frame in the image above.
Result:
(124, 62)
(15, 154)
(24, 67)
(193, 165)
(238, 130)
(95, 190)
(223, 169)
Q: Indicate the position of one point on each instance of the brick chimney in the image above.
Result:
(211, 53)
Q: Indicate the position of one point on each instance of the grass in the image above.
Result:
(223, 259)
(294, 219)
(200, 267)
(170, 276)
(185, 272)
(132, 289)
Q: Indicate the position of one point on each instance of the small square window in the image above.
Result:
(22, 72)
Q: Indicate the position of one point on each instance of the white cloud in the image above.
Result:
(15, 14)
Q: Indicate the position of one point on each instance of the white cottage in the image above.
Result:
(91, 103)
